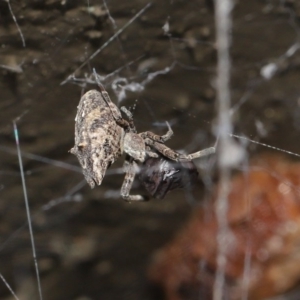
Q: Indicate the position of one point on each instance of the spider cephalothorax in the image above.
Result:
(102, 135)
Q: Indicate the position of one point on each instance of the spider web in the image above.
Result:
(158, 59)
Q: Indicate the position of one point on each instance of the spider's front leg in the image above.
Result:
(173, 155)
(158, 138)
(151, 153)
(129, 167)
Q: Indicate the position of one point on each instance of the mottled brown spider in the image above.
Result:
(102, 135)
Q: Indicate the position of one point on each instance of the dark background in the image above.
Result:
(89, 243)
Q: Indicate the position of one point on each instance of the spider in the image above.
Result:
(102, 135)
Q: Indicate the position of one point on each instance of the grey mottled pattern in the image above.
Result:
(97, 137)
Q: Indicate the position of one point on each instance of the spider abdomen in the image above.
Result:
(97, 137)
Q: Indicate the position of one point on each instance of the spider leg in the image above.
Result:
(129, 167)
(173, 155)
(115, 112)
(127, 112)
(169, 133)
(113, 108)
(130, 118)
(157, 138)
(150, 152)
(198, 154)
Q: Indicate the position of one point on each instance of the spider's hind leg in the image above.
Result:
(130, 118)
(127, 113)
(113, 108)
